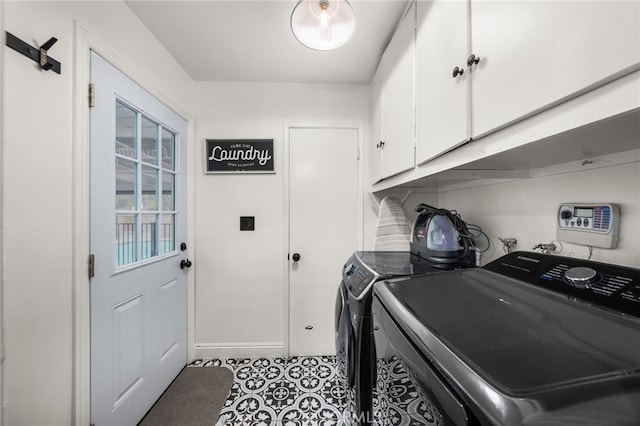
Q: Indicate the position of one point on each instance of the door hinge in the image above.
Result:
(92, 95)
(92, 266)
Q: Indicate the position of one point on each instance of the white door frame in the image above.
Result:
(84, 42)
(2, 381)
(285, 217)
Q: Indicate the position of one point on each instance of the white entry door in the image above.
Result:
(138, 292)
(323, 214)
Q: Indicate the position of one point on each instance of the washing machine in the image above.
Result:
(355, 354)
(529, 339)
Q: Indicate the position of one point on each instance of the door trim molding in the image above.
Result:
(286, 332)
(3, 384)
(83, 43)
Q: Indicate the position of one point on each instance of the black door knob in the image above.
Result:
(457, 71)
(295, 257)
(185, 263)
(473, 59)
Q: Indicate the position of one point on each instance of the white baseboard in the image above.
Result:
(239, 350)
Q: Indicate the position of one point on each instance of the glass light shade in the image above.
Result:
(323, 24)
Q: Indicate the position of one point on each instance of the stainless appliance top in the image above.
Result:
(529, 333)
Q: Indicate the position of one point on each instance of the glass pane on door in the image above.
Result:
(149, 236)
(126, 184)
(126, 239)
(168, 191)
(149, 141)
(126, 131)
(167, 234)
(168, 150)
(145, 187)
(149, 188)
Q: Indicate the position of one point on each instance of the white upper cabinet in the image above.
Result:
(375, 152)
(442, 78)
(398, 95)
(534, 55)
(484, 66)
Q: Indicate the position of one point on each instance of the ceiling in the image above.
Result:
(251, 40)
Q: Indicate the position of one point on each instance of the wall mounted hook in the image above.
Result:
(40, 55)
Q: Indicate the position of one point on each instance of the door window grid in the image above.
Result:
(145, 214)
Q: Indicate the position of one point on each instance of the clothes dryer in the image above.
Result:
(354, 331)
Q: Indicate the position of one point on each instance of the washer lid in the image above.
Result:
(521, 339)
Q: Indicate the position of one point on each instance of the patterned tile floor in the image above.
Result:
(292, 391)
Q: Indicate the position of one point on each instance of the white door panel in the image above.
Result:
(138, 292)
(398, 95)
(323, 230)
(441, 99)
(538, 53)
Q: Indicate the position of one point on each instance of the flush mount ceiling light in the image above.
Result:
(323, 24)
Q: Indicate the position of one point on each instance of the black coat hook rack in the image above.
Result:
(38, 55)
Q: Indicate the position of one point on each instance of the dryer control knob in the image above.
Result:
(581, 277)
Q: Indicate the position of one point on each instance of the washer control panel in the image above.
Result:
(615, 287)
(589, 224)
(356, 276)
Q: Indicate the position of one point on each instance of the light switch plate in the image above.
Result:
(247, 223)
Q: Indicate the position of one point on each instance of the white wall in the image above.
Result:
(38, 192)
(526, 210)
(240, 276)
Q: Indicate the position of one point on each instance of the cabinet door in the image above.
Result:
(441, 98)
(398, 96)
(537, 54)
(374, 152)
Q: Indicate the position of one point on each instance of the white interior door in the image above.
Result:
(323, 215)
(138, 292)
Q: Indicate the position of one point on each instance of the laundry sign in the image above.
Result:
(239, 156)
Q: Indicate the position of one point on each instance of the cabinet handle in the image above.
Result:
(473, 59)
(380, 144)
(457, 71)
